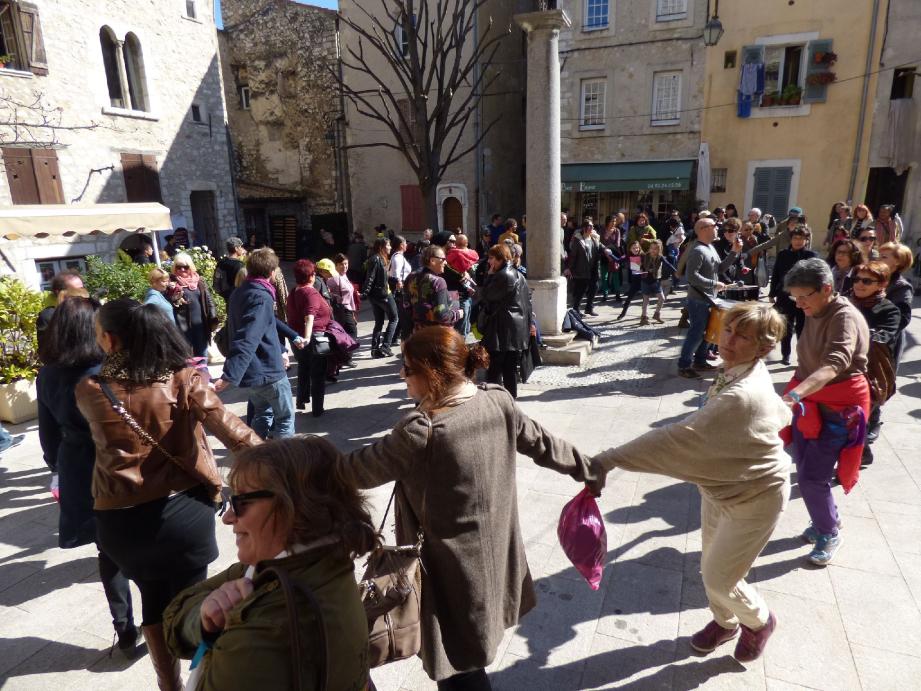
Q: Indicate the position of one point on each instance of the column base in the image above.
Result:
(548, 299)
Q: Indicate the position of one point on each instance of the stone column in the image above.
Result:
(542, 177)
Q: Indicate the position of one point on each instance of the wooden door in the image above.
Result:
(452, 214)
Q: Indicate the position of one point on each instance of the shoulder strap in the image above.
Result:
(288, 588)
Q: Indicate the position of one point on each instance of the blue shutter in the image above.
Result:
(771, 191)
(752, 54)
(816, 93)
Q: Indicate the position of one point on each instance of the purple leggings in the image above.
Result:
(815, 467)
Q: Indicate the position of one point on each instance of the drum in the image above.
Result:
(741, 293)
(715, 323)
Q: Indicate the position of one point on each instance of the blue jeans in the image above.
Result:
(694, 344)
(273, 410)
(462, 325)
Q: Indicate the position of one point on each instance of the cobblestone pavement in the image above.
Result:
(853, 625)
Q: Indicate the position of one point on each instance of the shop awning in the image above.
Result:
(626, 177)
(50, 220)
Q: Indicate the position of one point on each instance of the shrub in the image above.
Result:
(119, 279)
(19, 308)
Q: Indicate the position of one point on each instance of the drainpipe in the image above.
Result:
(871, 47)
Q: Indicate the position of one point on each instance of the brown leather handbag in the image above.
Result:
(880, 372)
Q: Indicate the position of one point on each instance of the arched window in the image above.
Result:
(134, 69)
(110, 62)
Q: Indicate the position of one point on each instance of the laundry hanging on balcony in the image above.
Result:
(751, 84)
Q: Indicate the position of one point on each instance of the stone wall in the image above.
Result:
(284, 52)
(180, 68)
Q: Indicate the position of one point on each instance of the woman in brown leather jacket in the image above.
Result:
(154, 500)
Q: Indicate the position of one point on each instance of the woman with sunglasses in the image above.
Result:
(866, 240)
(883, 319)
(425, 292)
(292, 512)
(454, 460)
(830, 398)
(196, 315)
(154, 480)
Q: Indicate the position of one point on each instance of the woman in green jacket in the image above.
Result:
(290, 512)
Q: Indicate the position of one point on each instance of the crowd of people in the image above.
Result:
(125, 401)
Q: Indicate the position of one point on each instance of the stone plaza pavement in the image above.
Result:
(853, 625)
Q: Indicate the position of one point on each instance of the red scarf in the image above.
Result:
(190, 282)
(837, 397)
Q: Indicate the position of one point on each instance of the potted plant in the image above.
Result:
(818, 57)
(6, 59)
(19, 364)
(829, 58)
(770, 99)
(791, 95)
(820, 78)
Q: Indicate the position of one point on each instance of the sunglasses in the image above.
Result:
(237, 502)
(180, 266)
(865, 281)
(868, 238)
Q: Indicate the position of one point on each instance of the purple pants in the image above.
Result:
(815, 468)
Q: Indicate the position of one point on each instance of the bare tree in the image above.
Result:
(32, 123)
(440, 66)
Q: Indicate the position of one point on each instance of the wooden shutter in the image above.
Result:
(284, 237)
(47, 176)
(142, 179)
(772, 190)
(411, 204)
(21, 175)
(35, 59)
(816, 93)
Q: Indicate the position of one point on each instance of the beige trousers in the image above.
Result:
(733, 537)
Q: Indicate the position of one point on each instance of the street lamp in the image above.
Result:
(713, 29)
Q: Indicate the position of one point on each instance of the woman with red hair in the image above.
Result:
(309, 314)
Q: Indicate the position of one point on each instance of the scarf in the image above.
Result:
(727, 377)
(190, 282)
(264, 282)
(115, 366)
(461, 393)
(868, 302)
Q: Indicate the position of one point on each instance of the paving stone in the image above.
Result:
(642, 603)
(876, 667)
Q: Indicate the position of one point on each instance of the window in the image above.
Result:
(592, 115)
(402, 37)
(21, 37)
(671, 10)
(33, 175)
(409, 117)
(718, 180)
(729, 59)
(794, 73)
(596, 15)
(783, 68)
(190, 9)
(903, 83)
(771, 191)
(590, 206)
(126, 78)
(142, 179)
(47, 268)
(244, 97)
(666, 98)
(196, 113)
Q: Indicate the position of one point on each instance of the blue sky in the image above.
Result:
(332, 4)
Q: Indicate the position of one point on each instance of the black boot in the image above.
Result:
(376, 346)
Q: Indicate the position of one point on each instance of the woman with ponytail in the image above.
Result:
(453, 459)
(155, 481)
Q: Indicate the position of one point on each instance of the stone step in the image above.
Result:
(560, 340)
(574, 353)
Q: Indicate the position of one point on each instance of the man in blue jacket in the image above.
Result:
(255, 361)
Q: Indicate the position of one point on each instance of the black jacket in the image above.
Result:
(505, 310)
(225, 275)
(68, 449)
(208, 310)
(883, 320)
(375, 285)
(785, 261)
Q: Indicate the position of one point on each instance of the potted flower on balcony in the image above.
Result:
(19, 364)
(821, 78)
(771, 98)
(825, 57)
(791, 94)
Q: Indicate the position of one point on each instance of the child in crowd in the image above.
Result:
(651, 281)
(461, 257)
(635, 260)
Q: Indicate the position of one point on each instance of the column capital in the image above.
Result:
(545, 19)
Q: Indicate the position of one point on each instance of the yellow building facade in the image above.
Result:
(788, 97)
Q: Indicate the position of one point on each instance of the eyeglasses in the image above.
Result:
(180, 266)
(797, 298)
(441, 259)
(867, 238)
(865, 281)
(238, 501)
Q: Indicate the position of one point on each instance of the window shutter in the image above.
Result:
(142, 179)
(752, 54)
(151, 178)
(411, 203)
(20, 175)
(816, 93)
(32, 37)
(771, 191)
(47, 176)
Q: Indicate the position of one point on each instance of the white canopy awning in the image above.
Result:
(49, 220)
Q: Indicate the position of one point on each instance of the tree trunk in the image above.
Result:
(430, 207)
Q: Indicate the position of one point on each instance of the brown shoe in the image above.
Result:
(711, 637)
(644, 321)
(752, 643)
(165, 665)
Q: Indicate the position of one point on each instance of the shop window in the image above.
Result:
(33, 175)
(666, 98)
(591, 116)
(596, 15)
(589, 207)
(21, 37)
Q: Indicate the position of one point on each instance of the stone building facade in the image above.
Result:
(147, 77)
(286, 121)
(630, 95)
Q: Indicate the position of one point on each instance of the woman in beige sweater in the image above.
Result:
(730, 448)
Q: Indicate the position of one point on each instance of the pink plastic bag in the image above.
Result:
(583, 537)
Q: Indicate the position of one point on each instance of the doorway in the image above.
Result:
(204, 219)
(453, 214)
(885, 187)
